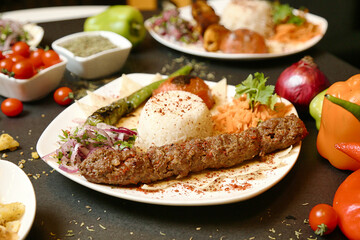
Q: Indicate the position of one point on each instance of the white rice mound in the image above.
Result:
(173, 116)
(255, 15)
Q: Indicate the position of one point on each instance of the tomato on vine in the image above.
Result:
(323, 219)
(23, 69)
(63, 96)
(11, 107)
(21, 48)
(50, 57)
(35, 57)
(22, 62)
(14, 57)
(6, 65)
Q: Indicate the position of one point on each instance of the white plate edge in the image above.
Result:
(29, 213)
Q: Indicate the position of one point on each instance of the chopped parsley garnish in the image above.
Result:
(283, 13)
(126, 144)
(257, 91)
(65, 135)
(99, 138)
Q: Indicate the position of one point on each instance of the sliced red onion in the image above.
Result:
(68, 169)
(123, 130)
(84, 140)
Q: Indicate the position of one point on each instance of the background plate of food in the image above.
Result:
(208, 187)
(237, 29)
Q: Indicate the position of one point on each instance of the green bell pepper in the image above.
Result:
(315, 107)
(121, 19)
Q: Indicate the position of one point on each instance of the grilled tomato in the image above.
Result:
(188, 83)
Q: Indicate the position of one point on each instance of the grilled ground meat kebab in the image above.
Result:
(106, 165)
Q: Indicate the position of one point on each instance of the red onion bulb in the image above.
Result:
(301, 82)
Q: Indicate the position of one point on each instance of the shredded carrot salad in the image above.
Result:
(237, 115)
(292, 33)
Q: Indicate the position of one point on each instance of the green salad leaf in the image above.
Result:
(257, 91)
(283, 13)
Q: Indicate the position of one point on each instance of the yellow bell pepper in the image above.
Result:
(339, 125)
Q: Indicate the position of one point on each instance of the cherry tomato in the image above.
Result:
(6, 64)
(1, 55)
(23, 69)
(323, 219)
(21, 48)
(50, 57)
(15, 57)
(63, 96)
(11, 107)
(35, 57)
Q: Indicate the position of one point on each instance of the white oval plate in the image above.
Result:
(185, 12)
(176, 195)
(50, 14)
(15, 186)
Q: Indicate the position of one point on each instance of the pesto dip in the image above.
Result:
(86, 46)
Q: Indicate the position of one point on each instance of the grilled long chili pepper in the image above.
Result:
(112, 113)
(352, 149)
(353, 108)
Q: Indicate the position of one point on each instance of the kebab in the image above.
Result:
(108, 166)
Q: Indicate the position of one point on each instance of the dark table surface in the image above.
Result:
(66, 208)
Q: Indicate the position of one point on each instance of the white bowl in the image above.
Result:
(100, 64)
(15, 186)
(35, 87)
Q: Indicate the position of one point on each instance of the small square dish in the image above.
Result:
(36, 87)
(96, 64)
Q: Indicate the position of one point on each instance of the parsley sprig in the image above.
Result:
(257, 91)
(283, 13)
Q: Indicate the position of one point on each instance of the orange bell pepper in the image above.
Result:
(339, 125)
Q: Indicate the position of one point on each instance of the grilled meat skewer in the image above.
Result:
(106, 165)
(204, 15)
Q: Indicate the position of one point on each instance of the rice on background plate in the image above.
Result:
(249, 14)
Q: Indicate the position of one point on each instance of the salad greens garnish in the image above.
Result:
(126, 144)
(65, 135)
(257, 91)
(283, 13)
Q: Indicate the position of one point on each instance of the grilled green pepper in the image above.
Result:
(112, 113)
(121, 19)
